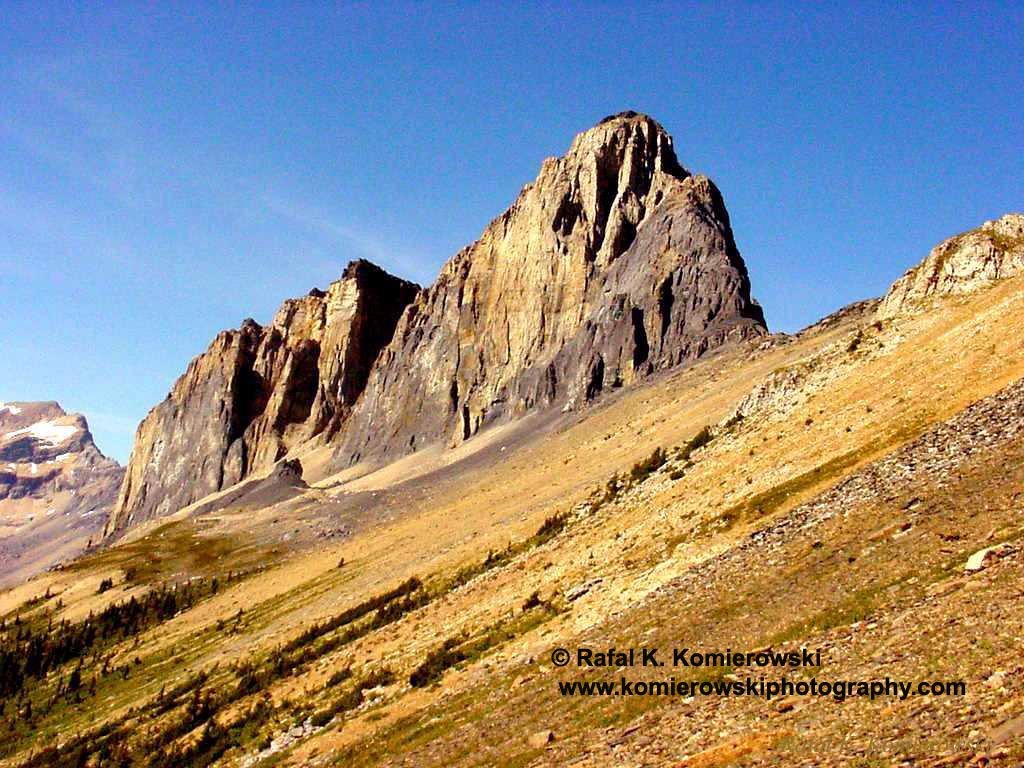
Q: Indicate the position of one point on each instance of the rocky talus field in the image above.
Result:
(355, 536)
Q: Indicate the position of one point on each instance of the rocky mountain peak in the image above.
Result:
(40, 431)
(602, 188)
(361, 269)
(614, 262)
(56, 487)
(961, 264)
(628, 139)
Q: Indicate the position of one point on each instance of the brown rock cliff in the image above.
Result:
(259, 391)
(615, 262)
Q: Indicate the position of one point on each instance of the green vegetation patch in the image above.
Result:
(174, 548)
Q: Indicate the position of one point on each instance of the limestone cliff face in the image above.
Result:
(258, 391)
(961, 264)
(615, 262)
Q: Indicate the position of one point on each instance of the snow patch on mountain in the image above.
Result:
(47, 431)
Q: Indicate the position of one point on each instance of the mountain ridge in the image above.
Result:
(614, 263)
(852, 495)
(854, 487)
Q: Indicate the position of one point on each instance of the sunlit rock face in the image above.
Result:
(961, 264)
(614, 263)
(258, 391)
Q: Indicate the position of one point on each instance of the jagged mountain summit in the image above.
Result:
(614, 263)
(258, 391)
(55, 486)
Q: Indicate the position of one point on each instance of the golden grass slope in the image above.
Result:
(860, 390)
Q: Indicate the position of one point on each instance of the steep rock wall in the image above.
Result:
(258, 391)
(614, 263)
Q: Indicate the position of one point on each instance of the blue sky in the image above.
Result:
(167, 172)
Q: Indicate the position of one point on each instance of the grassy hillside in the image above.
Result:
(819, 490)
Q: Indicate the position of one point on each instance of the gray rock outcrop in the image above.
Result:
(961, 264)
(614, 263)
(259, 391)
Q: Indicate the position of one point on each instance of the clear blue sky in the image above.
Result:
(166, 173)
